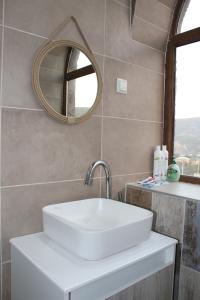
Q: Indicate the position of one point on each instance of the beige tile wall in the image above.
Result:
(1, 56)
(169, 3)
(43, 161)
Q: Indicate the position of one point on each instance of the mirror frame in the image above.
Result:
(40, 55)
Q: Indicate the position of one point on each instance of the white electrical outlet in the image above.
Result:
(122, 86)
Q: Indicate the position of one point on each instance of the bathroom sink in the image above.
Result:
(96, 228)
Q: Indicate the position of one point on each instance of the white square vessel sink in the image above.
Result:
(96, 228)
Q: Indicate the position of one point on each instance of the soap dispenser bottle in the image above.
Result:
(157, 163)
(173, 172)
(164, 162)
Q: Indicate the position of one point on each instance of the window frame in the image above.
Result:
(175, 41)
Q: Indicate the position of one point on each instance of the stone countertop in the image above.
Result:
(179, 189)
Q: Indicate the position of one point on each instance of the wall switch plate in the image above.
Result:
(122, 85)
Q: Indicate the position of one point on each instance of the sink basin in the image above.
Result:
(96, 228)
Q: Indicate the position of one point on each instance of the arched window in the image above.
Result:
(182, 90)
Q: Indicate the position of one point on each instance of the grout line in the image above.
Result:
(2, 52)
(129, 119)
(3, 15)
(132, 64)
(27, 32)
(168, 7)
(104, 29)
(43, 183)
(96, 116)
(102, 101)
(1, 101)
(66, 181)
(152, 24)
(122, 4)
(150, 47)
(132, 174)
(22, 108)
(93, 116)
(98, 53)
(6, 262)
(34, 109)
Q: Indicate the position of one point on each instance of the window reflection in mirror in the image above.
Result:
(68, 81)
(187, 109)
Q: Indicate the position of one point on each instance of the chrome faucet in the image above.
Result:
(90, 172)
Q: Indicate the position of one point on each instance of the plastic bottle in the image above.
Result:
(173, 172)
(157, 163)
(165, 159)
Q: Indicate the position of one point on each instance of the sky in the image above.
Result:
(188, 68)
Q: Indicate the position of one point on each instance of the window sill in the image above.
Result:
(179, 189)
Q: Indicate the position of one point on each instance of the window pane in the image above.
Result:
(190, 17)
(187, 109)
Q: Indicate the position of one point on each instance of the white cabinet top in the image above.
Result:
(69, 272)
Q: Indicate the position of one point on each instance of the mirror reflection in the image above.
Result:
(68, 81)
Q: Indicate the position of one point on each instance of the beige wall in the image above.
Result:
(43, 161)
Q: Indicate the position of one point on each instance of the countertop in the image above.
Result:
(179, 189)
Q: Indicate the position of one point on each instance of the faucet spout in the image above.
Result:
(89, 176)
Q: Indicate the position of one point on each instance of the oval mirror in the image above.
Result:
(67, 81)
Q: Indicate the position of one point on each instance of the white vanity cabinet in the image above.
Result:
(42, 270)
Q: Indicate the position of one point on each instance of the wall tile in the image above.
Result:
(148, 34)
(169, 213)
(35, 148)
(169, 3)
(139, 198)
(47, 15)
(19, 77)
(22, 206)
(118, 185)
(116, 19)
(189, 284)
(139, 95)
(128, 145)
(19, 50)
(6, 284)
(191, 242)
(1, 33)
(100, 62)
(1, 11)
(124, 2)
(119, 43)
(154, 12)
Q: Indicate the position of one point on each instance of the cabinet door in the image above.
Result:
(156, 287)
